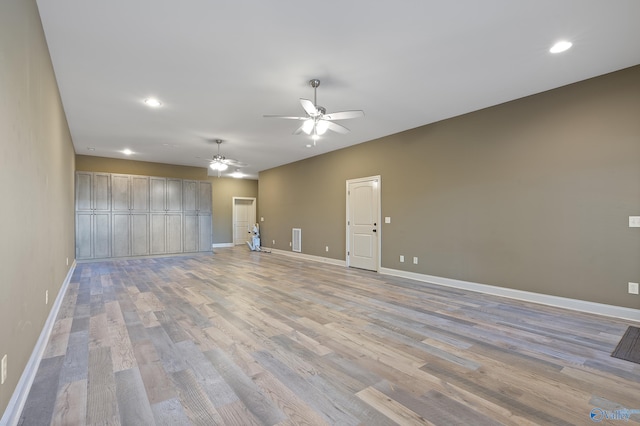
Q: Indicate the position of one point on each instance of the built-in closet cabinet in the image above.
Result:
(120, 215)
(196, 207)
(93, 215)
(166, 215)
(129, 215)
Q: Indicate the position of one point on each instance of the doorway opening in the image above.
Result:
(244, 217)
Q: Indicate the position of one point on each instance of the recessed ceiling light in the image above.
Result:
(91, 149)
(152, 102)
(127, 151)
(237, 174)
(561, 46)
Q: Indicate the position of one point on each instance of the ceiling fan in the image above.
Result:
(220, 163)
(317, 121)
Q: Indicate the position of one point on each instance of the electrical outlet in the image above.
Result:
(46, 297)
(262, 219)
(633, 288)
(67, 261)
(3, 370)
(326, 248)
(274, 242)
(401, 259)
(415, 260)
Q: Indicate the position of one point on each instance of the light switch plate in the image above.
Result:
(387, 219)
(633, 288)
(634, 221)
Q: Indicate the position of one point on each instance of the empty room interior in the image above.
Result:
(344, 213)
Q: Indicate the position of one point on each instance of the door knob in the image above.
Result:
(375, 230)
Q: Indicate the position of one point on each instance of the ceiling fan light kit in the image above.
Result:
(317, 121)
(220, 163)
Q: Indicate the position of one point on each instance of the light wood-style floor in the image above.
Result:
(245, 338)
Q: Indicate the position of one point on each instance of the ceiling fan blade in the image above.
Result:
(298, 131)
(344, 115)
(234, 163)
(309, 107)
(286, 117)
(335, 127)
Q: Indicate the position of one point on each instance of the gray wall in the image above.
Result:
(36, 187)
(532, 195)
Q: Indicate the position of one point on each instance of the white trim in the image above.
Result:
(222, 245)
(377, 179)
(544, 299)
(16, 404)
(311, 257)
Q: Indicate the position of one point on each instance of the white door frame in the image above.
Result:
(233, 215)
(379, 224)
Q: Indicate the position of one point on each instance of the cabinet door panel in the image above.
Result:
(204, 197)
(158, 194)
(102, 192)
(140, 193)
(121, 234)
(139, 234)
(101, 235)
(204, 232)
(189, 195)
(174, 195)
(158, 233)
(84, 183)
(190, 236)
(83, 235)
(120, 195)
(174, 233)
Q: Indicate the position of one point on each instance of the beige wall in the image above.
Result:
(532, 195)
(36, 186)
(223, 189)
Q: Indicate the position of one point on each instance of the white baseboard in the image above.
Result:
(544, 299)
(308, 257)
(12, 413)
(222, 245)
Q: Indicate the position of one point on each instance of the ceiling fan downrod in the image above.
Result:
(314, 83)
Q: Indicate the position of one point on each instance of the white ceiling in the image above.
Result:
(219, 66)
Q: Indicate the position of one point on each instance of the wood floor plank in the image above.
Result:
(198, 408)
(71, 405)
(102, 402)
(169, 413)
(119, 341)
(75, 365)
(391, 408)
(39, 406)
(133, 403)
(59, 339)
(246, 390)
(209, 379)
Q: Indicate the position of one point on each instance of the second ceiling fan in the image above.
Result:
(318, 121)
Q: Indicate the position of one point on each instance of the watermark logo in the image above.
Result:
(599, 414)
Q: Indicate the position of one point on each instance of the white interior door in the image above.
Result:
(244, 217)
(363, 220)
